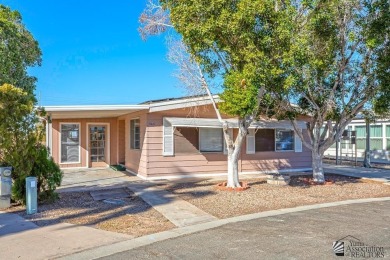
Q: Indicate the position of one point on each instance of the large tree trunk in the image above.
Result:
(233, 150)
(233, 181)
(318, 170)
(367, 155)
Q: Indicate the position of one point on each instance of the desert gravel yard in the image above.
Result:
(134, 217)
(262, 196)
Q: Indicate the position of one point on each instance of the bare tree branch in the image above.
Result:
(154, 20)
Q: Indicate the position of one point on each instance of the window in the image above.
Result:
(284, 140)
(388, 137)
(211, 140)
(375, 139)
(265, 140)
(70, 143)
(186, 140)
(360, 137)
(135, 135)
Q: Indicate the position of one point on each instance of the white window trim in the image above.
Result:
(207, 152)
(108, 141)
(131, 138)
(275, 150)
(60, 145)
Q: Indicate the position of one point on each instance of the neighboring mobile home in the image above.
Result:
(168, 139)
(379, 139)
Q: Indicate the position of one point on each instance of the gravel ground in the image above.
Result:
(262, 196)
(135, 217)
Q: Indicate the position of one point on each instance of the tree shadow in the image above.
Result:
(305, 181)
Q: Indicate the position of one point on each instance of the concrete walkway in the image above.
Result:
(176, 210)
(21, 239)
(179, 212)
(92, 179)
(12, 223)
(381, 175)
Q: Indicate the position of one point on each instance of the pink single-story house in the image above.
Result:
(169, 138)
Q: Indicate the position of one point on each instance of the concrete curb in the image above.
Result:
(107, 250)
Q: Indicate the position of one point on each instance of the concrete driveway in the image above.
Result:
(95, 178)
(300, 235)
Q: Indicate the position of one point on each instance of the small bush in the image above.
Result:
(48, 173)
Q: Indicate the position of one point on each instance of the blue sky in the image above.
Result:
(93, 54)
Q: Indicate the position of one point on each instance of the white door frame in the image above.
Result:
(108, 140)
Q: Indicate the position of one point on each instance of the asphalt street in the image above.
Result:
(363, 228)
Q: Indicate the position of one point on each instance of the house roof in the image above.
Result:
(101, 111)
(94, 111)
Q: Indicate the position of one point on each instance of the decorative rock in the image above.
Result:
(312, 182)
(278, 179)
(222, 186)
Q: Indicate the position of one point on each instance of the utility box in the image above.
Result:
(31, 195)
(5, 187)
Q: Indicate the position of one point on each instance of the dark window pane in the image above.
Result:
(265, 140)
(186, 140)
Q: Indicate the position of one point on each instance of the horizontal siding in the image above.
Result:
(189, 170)
(193, 162)
(188, 157)
(187, 163)
(278, 164)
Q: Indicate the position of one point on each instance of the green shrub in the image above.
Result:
(48, 173)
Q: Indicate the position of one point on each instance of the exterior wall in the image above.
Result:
(181, 163)
(136, 159)
(189, 161)
(272, 161)
(121, 141)
(148, 161)
(113, 123)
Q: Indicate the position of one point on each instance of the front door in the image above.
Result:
(98, 146)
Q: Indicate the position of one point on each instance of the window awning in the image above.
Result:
(215, 123)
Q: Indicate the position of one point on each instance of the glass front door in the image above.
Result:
(97, 146)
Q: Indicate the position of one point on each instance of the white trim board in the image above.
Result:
(197, 175)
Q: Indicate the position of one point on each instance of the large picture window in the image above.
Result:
(284, 140)
(265, 140)
(211, 140)
(135, 134)
(70, 143)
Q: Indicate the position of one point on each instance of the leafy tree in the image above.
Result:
(18, 50)
(21, 133)
(247, 43)
(341, 63)
(329, 57)
(21, 129)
